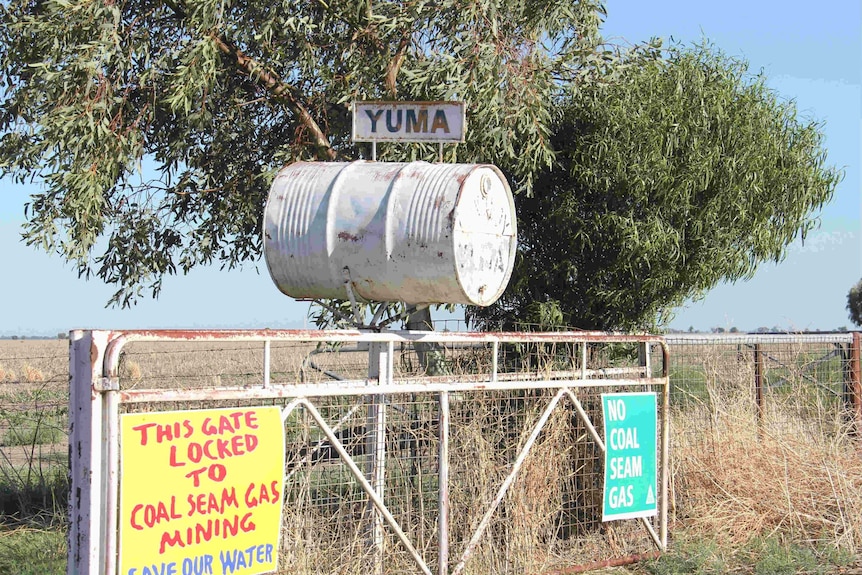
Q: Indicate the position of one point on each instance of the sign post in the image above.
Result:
(630, 455)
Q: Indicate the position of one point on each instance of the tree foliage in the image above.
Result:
(854, 303)
(155, 126)
(676, 171)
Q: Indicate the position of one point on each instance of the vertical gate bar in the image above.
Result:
(110, 388)
(665, 460)
(379, 369)
(644, 359)
(495, 362)
(112, 456)
(758, 385)
(266, 360)
(584, 360)
(856, 379)
(443, 484)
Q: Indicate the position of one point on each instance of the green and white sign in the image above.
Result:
(630, 455)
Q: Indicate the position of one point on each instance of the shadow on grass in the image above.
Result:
(26, 551)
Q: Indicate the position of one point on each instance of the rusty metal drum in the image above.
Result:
(413, 232)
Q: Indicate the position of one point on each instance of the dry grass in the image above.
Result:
(792, 471)
(739, 485)
(33, 374)
(24, 363)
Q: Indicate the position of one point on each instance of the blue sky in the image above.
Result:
(811, 53)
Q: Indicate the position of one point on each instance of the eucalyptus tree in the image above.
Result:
(854, 303)
(154, 127)
(677, 169)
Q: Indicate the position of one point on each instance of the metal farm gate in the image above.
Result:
(403, 451)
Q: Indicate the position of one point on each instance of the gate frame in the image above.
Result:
(95, 398)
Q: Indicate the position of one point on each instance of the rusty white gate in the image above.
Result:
(436, 452)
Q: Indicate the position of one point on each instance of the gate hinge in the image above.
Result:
(107, 384)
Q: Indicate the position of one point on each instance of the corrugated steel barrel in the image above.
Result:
(412, 232)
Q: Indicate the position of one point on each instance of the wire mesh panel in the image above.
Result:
(404, 451)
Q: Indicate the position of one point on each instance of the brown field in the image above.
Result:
(33, 380)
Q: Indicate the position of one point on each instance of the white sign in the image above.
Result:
(409, 122)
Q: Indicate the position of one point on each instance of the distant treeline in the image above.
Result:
(61, 335)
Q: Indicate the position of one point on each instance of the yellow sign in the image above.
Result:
(201, 492)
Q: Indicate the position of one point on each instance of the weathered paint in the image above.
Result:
(413, 232)
(88, 471)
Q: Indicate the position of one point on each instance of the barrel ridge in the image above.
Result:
(302, 236)
(425, 216)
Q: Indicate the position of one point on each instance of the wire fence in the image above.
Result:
(780, 383)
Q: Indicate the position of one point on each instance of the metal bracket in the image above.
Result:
(107, 384)
(348, 285)
(356, 320)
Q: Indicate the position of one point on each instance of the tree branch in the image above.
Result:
(275, 86)
(390, 80)
(270, 82)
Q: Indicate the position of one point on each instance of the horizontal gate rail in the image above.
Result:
(354, 388)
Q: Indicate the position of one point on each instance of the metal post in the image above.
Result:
(380, 367)
(584, 360)
(443, 488)
(665, 458)
(110, 388)
(495, 362)
(111, 438)
(856, 381)
(758, 385)
(644, 359)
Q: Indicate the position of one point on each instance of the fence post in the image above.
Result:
(758, 385)
(87, 469)
(853, 386)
